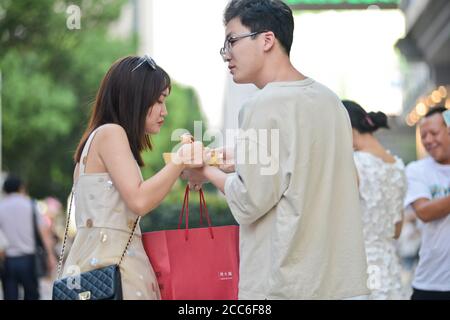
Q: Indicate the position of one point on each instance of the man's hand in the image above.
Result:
(229, 160)
(223, 156)
(195, 177)
(189, 154)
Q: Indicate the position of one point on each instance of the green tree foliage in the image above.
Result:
(50, 77)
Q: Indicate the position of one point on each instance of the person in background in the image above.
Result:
(429, 196)
(382, 188)
(16, 223)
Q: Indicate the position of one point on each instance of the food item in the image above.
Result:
(212, 161)
(210, 157)
(186, 138)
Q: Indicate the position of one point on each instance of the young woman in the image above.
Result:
(110, 193)
(382, 188)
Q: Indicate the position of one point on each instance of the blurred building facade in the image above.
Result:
(341, 5)
(426, 48)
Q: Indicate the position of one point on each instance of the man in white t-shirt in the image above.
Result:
(429, 195)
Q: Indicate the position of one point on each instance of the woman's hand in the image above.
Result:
(195, 177)
(190, 155)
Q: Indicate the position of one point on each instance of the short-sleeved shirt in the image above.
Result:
(430, 180)
(16, 223)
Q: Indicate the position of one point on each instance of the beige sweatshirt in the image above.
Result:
(299, 213)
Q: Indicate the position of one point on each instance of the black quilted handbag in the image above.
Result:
(99, 284)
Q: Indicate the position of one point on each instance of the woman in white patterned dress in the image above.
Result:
(382, 186)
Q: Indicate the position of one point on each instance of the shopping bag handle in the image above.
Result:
(202, 197)
(185, 201)
(203, 209)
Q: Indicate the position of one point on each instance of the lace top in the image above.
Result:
(382, 188)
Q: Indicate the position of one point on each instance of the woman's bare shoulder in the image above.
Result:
(110, 136)
(111, 139)
(111, 130)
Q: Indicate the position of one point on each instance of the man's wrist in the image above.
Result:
(208, 171)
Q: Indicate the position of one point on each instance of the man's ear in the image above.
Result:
(269, 40)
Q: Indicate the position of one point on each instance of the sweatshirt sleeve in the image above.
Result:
(258, 183)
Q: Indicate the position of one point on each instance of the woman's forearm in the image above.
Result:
(153, 191)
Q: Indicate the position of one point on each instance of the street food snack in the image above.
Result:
(210, 157)
(186, 138)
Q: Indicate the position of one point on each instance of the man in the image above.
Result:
(16, 223)
(300, 221)
(429, 195)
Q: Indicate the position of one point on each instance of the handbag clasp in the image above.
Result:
(86, 295)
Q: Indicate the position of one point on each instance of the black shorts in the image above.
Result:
(430, 295)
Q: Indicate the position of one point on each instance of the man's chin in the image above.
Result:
(438, 156)
(238, 80)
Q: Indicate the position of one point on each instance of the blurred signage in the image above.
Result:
(341, 4)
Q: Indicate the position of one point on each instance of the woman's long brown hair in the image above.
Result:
(124, 98)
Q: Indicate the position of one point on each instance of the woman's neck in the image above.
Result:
(368, 142)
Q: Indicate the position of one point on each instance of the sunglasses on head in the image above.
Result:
(148, 60)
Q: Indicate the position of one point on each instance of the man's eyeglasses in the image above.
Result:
(148, 60)
(229, 41)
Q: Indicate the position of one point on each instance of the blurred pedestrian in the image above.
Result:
(16, 223)
(382, 188)
(429, 196)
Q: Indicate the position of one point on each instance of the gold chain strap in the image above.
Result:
(129, 241)
(61, 256)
